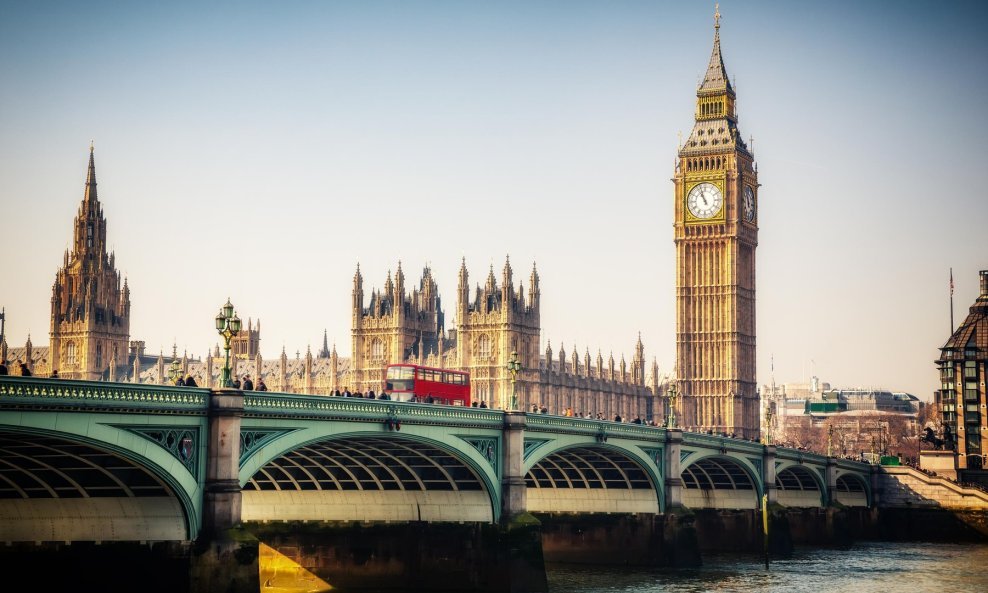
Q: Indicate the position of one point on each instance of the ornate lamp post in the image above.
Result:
(673, 393)
(174, 371)
(514, 367)
(228, 325)
(768, 423)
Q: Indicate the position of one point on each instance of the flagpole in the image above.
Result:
(951, 301)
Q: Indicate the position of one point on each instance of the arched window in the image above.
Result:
(484, 346)
(377, 349)
(70, 353)
(99, 356)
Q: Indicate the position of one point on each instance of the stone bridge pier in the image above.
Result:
(225, 557)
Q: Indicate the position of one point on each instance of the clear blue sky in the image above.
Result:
(260, 151)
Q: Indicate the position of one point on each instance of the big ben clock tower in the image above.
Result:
(716, 232)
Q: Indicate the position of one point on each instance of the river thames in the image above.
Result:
(872, 567)
(868, 567)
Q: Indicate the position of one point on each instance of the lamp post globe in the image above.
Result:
(228, 326)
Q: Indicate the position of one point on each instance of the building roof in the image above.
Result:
(972, 333)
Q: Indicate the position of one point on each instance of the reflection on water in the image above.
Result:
(865, 568)
(280, 574)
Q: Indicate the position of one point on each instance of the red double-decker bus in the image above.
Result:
(411, 382)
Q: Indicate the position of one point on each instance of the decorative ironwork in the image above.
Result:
(182, 443)
(488, 447)
(252, 440)
(657, 456)
(684, 455)
(756, 462)
(392, 422)
(278, 405)
(581, 426)
(532, 445)
(36, 393)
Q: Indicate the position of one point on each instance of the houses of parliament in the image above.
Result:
(715, 203)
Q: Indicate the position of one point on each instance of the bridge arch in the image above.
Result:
(127, 488)
(720, 482)
(567, 476)
(369, 475)
(852, 490)
(799, 486)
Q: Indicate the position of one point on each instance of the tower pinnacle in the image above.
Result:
(716, 77)
(90, 195)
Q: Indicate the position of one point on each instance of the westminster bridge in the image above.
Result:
(118, 461)
(102, 462)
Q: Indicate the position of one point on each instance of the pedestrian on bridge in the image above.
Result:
(248, 385)
(3, 368)
(25, 372)
(190, 382)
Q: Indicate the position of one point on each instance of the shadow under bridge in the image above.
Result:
(369, 478)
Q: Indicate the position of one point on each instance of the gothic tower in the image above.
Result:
(716, 232)
(90, 311)
(499, 321)
(396, 327)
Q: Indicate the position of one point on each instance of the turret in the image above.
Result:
(357, 302)
(507, 288)
(534, 293)
(398, 294)
(283, 370)
(638, 363)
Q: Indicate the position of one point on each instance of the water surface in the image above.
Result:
(874, 567)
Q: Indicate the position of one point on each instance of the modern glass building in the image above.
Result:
(961, 399)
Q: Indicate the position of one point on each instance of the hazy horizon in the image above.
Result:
(260, 152)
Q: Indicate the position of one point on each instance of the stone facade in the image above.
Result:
(716, 233)
(492, 322)
(90, 310)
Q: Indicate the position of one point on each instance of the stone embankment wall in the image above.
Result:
(919, 507)
(907, 487)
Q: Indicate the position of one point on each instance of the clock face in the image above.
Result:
(749, 203)
(705, 200)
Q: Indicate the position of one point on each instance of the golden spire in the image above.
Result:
(717, 16)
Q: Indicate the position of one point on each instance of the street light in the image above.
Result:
(513, 367)
(768, 423)
(228, 325)
(174, 371)
(671, 417)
